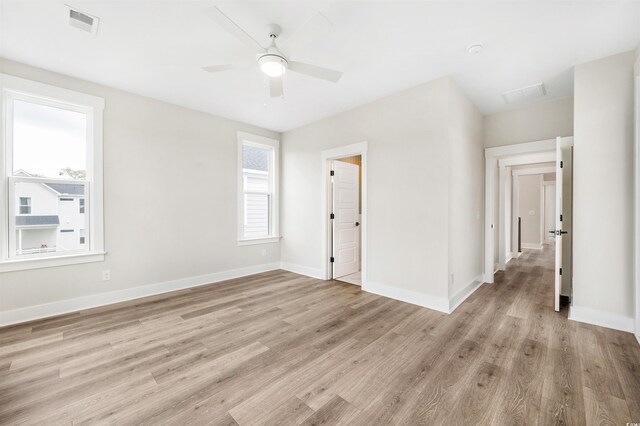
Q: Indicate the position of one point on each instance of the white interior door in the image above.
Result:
(558, 227)
(346, 227)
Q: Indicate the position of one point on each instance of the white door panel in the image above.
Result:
(345, 227)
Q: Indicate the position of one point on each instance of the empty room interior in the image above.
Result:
(328, 212)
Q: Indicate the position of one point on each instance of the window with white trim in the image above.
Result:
(51, 169)
(258, 189)
(25, 205)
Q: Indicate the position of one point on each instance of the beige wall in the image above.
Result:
(529, 201)
(170, 199)
(545, 120)
(603, 185)
(466, 191)
(409, 163)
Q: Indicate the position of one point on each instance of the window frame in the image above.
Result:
(15, 88)
(262, 142)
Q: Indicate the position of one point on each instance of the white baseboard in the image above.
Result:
(510, 257)
(303, 270)
(30, 313)
(426, 301)
(601, 318)
(532, 246)
(462, 294)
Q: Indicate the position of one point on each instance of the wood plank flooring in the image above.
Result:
(279, 348)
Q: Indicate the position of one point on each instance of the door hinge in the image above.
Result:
(332, 216)
(560, 271)
(561, 164)
(332, 173)
(331, 259)
(560, 218)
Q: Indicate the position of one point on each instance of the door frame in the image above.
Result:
(636, 69)
(492, 155)
(326, 157)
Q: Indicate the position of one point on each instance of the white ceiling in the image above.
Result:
(157, 49)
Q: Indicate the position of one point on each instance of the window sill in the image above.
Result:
(253, 241)
(25, 264)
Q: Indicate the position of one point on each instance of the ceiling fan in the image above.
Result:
(271, 60)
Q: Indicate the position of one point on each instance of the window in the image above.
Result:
(258, 189)
(25, 205)
(53, 146)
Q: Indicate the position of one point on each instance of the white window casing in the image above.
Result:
(258, 219)
(92, 107)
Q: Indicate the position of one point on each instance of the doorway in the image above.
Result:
(344, 209)
(506, 215)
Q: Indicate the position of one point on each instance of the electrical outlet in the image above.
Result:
(106, 275)
(264, 252)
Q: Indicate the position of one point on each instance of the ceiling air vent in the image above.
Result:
(82, 21)
(524, 94)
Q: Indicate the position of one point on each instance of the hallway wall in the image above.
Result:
(529, 202)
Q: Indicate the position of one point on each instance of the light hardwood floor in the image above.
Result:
(279, 348)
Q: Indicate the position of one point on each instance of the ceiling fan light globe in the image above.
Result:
(273, 65)
(273, 69)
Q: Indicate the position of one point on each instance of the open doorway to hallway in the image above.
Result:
(529, 208)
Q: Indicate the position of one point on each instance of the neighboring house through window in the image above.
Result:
(54, 141)
(258, 166)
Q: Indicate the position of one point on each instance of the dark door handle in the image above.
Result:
(357, 223)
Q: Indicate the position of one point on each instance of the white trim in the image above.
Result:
(274, 186)
(522, 160)
(93, 107)
(30, 313)
(636, 262)
(50, 262)
(325, 158)
(531, 246)
(534, 171)
(254, 241)
(600, 318)
(303, 270)
(426, 301)
(462, 294)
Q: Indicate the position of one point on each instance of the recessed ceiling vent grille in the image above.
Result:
(82, 21)
(524, 94)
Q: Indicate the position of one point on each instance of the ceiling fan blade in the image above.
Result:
(315, 71)
(313, 29)
(275, 87)
(225, 22)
